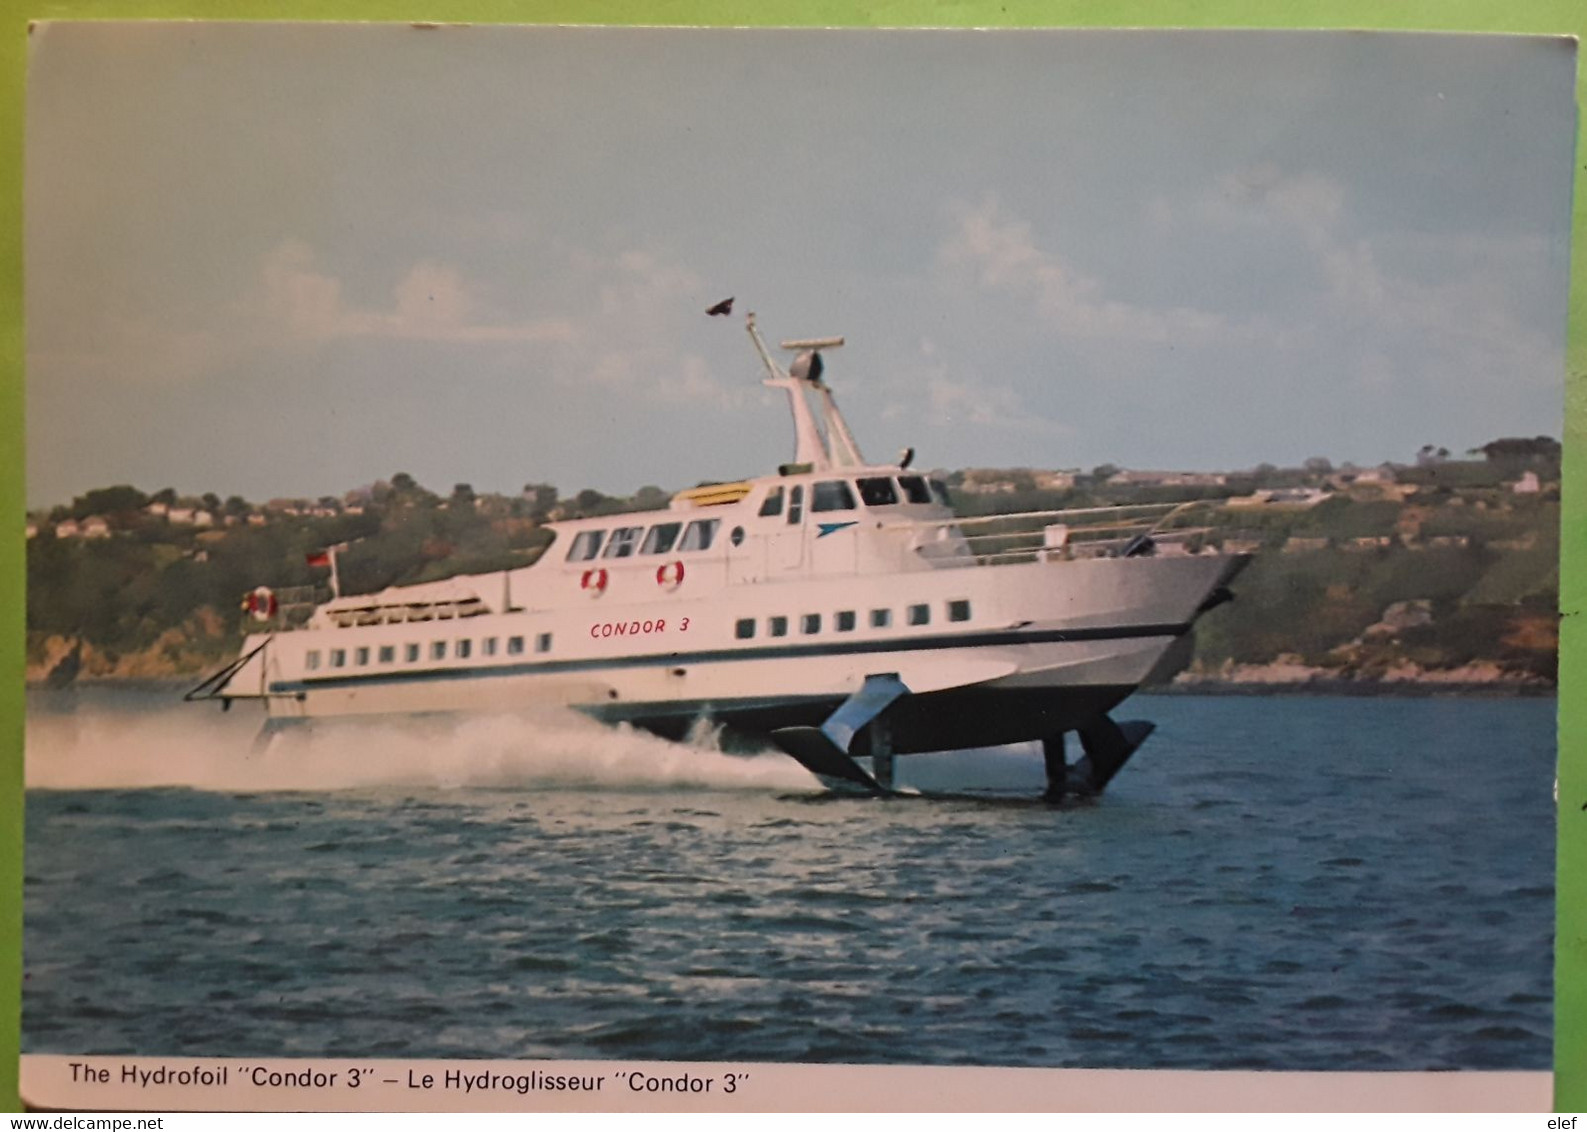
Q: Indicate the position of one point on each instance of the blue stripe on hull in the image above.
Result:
(713, 656)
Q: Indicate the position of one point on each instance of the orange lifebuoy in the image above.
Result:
(670, 575)
(594, 581)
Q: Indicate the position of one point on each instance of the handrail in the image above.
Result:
(1170, 510)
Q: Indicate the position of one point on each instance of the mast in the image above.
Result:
(808, 448)
(829, 443)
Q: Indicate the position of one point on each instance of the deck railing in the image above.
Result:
(1056, 536)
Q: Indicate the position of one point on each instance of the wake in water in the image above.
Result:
(107, 749)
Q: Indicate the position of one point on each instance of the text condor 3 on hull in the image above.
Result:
(837, 608)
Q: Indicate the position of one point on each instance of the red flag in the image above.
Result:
(319, 558)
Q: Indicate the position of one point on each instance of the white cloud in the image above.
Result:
(1460, 316)
(950, 402)
(999, 252)
(642, 299)
(431, 302)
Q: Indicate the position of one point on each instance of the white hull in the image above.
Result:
(1085, 632)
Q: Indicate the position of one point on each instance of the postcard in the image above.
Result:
(646, 568)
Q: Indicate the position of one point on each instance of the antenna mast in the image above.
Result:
(808, 448)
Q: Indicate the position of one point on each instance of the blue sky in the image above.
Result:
(290, 259)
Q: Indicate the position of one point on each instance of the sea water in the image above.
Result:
(1275, 882)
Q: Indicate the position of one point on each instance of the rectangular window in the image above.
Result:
(776, 626)
(488, 646)
(624, 540)
(464, 647)
(958, 611)
(772, 504)
(410, 652)
(661, 538)
(810, 623)
(940, 490)
(877, 491)
(514, 646)
(699, 534)
(881, 618)
(388, 654)
(311, 659)
(920, 615)
(338, 658)
(437, 650)
(543, 642)
(832, 495)
(915, 490)
(744, 628)
(845, 621)
(586, 545)
(796, 505)
(361, 656)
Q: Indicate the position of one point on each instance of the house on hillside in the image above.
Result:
(1129, 478)
(1288, 498)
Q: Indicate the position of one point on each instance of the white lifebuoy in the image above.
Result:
(670, 576)
(594, 582)
(262, 603)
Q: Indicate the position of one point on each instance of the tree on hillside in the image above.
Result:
(117, 500)
(1520, 449)
(651, 498)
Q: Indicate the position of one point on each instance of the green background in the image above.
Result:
(1568, 17)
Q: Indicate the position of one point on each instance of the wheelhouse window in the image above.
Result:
(464, 648)
(810, 623)
(832, 495)
(661, 538)
(772, 504)
(514, 646)
(311, 659)
(338, 658)
(744, 628)
(699, 534)
(388, 654)
(796, 504)
(877, 491)
(940, 490)
(437, 650)
(958, 611)
(920, 614)
(844, 621)
(586, 545)
(543, 642)
(410, 652)
(624, 540)
(881, 618)
(915, 489)
(776, 626)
